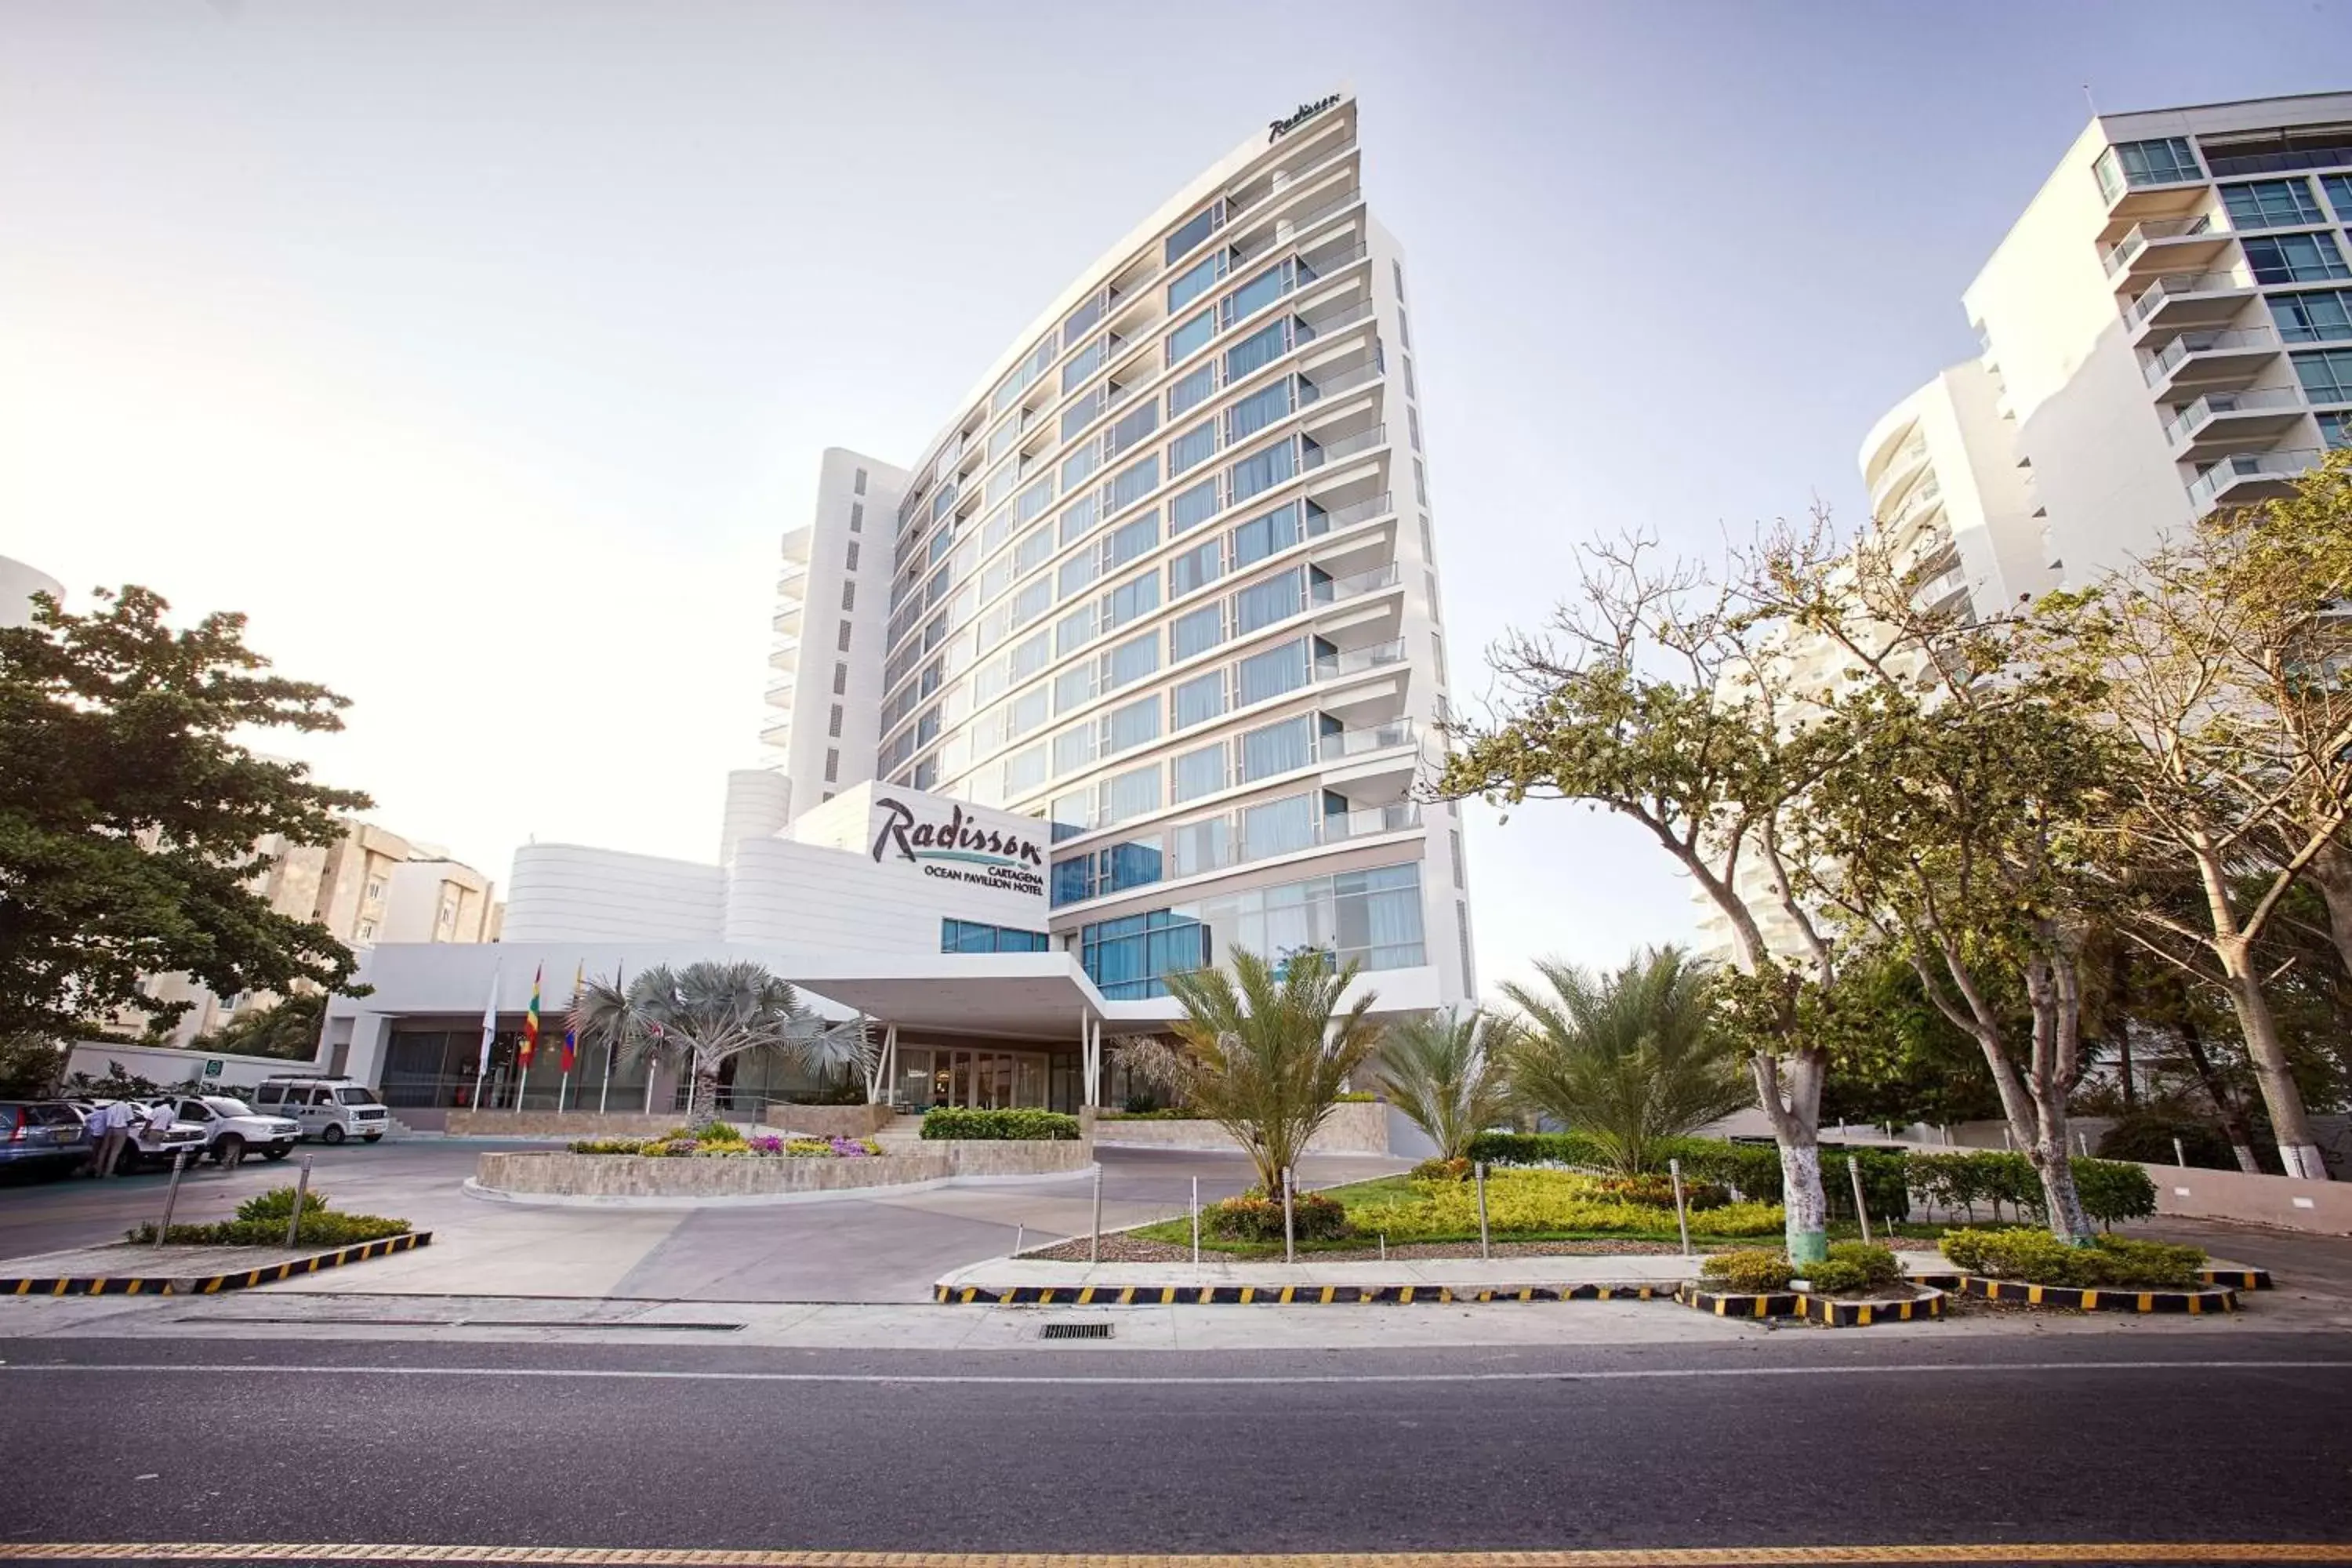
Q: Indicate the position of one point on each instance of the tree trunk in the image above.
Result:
(2235, 1125)
(2119, 1020)
(1796, 1128)
(702, 1094)
(2054, 1163)
(2298, 1146)
(2331, 872)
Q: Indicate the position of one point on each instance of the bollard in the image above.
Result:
(2083, 1143)
(1861, 1203)
(2006, 1141)
(1289, 1229)
(171, 1196)
(1020, 1234)
(1478, 1172)
(301, 1191)
(1682, 1214)
(1196, 1222)
(2179, 1154)
(1384, 1246)
(1093, 1242)
(1946, 1131)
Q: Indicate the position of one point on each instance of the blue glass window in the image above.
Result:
(2272, 204)
(2321, 316)
(1263, 470)
(1277, 748)
(972, 936)
(1190, 335)
(1075, 630)
(1025, 771)
(1129, 959)
(1034, 499)
(1261, 347)
(1080, 463)
(1129, 540)
(2327, 376)
(1134, 482)
(1077, 572)
(1257, 293)
(1034, 548)
(1259, 409)
(1199, 699)
(1130, 796)
(1074, 686)
(1195, 280)
(1032, 600)
(1191, 388)
(1196, 567)
(1134, 658)
(2165, 161)
(1193, 507)
(1073, 748)
(1193, 447)
(1071, 878)
(1077, 521)
(1132, 427)
(1270, 674)
(1075, 326)
(1261, 605)
(1199, 773)
(2335, 429)
(1085, 362)
(1136, 596)
(2295, 258)
(1198, 227)
(1134, 725)
(1202, 630)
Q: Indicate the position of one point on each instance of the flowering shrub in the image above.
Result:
(681, 1144)
(1253, 1216)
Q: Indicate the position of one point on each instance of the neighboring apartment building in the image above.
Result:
(2165, 330)
(18, 583)
(368, 886)
(1166, 580)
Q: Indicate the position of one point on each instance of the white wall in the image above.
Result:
(568, 893)
(870, 521)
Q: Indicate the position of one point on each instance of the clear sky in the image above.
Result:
(481, 350)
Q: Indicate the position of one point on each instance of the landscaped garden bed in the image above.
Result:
(2113, 1274)
(1855, 1286)
(261, 1222)
(721, 1140)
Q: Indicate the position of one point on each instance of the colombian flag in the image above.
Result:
(570, 1035)
(530, 1022)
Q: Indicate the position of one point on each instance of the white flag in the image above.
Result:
(489, 1032)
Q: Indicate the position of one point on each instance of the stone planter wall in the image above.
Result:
(1356, 1126)
(815, 1120)
(567, 1177)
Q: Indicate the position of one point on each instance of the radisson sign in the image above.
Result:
(1275, 128)
(959, 849)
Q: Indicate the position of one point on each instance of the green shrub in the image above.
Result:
(1659, 1191)
(2113, 1190)
(1747, 1270)
(954, 1121)
(1853, 1266)
(278, 1203)
(1522, 1201)
(1961, 1179)
(606, 1146)
(1154, 1113)
(1537, 1149)
(1355, 1097)
(1750, 1170)
(2039, 1257)
(1253, 1216)
(1441, 1171)
(717, 1131)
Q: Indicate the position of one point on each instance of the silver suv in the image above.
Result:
(328, 1109)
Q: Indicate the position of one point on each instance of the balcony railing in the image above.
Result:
(1362, 511)
(2201, 412)
(2206, 489)
(1333, 589)
(1348, 446)
(1286, 227)
(2167, 359)
(1340, 826)
(1348, 743)
(1355, 660)
(2178, 285)
(1332, 321)
(1347, 380)
(2126, 249)
(1909, 456)
(2280, 163)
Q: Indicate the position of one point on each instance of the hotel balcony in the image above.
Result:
(788, 620)
(797, 544)
(2228, 421)
(780, 691)
(2183, 299)
(2245, 478)
(2169, 245)
(1908, 459)
(777, 732)
(2209, 358)
(787, 658)
(2134, 198)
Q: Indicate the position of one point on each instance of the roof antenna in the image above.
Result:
(2089, 100)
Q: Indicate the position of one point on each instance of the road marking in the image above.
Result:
(1596, 1374)
(1663, 1557)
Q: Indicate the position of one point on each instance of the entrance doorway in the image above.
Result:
(980, 1080)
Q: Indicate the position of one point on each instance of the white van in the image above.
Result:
(328, 1109)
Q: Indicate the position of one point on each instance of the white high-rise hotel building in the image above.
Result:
(1166, 582)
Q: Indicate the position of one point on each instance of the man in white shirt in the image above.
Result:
(109, 1129)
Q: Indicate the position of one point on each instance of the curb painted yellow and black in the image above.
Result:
(1279, 1295)
(2196, 1304)
(1831, 1313)
(211, 1284)
(1739, 1303)
(2237, 1279)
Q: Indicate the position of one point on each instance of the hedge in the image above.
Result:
(957, 1122)
(261, 1222)
(2039, 1257)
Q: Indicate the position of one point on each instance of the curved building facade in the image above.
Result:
(1166, 582)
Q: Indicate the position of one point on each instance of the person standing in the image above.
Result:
(110, 1128)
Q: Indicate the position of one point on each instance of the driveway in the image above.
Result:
(878, 1249)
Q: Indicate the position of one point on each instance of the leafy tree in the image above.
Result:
(288, 1028)
(1652, 693)
(1628, 1058)
(1440, 1069)
(30, 1065)
(2218, 664)
(1905, 1061)
(129, 816)
(707, 1013)
(1264, 1055)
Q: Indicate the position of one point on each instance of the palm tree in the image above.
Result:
(1626, 1058)
(706, 1014)
(1264, 1053)
(1440, 1069)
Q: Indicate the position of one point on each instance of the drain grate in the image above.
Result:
(1075, 1331)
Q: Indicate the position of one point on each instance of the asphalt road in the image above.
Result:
(1800, 1438)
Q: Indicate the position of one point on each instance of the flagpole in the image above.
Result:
(489, 1034)
(522, 1077)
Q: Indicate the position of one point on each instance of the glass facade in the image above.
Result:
(970, 936)
(1371, 918)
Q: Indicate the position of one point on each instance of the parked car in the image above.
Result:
(328, 1109)
(230, 1124)
(41, 1137)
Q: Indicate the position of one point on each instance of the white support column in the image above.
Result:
(877, 1070)
(1090, 1045)
(890, 1062)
